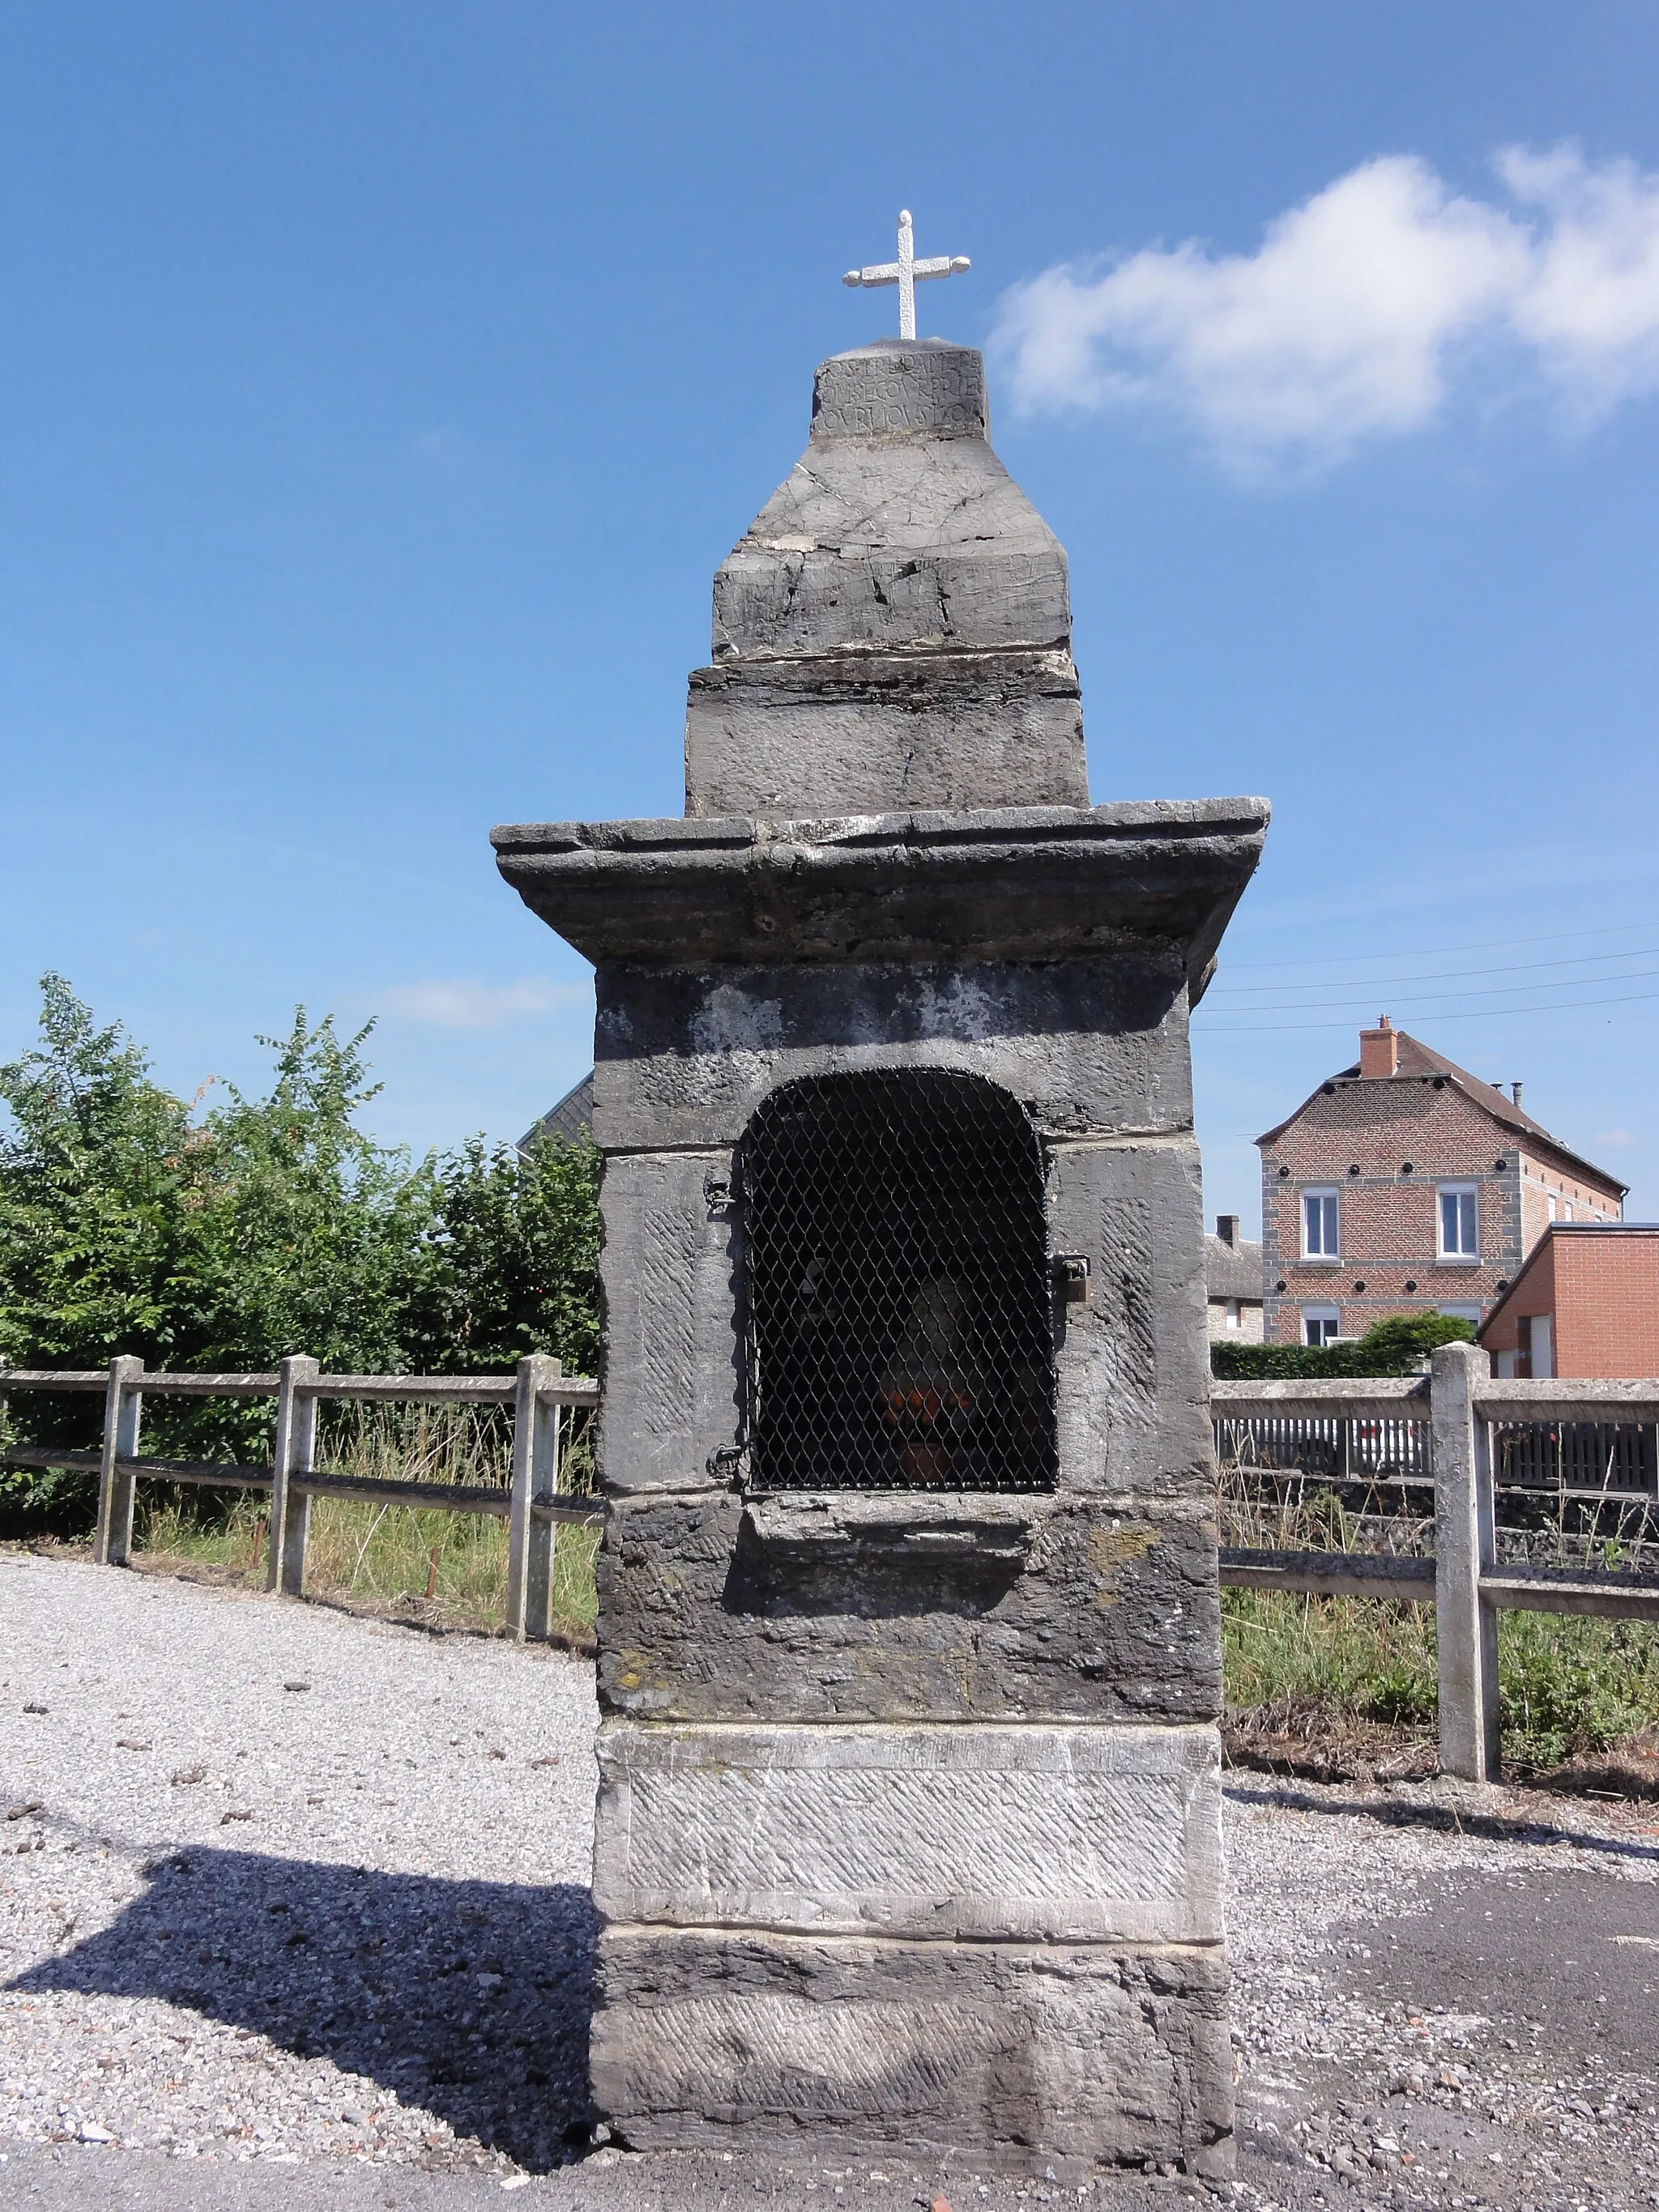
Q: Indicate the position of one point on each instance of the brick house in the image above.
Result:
(1585, 1302)
(1406, 1185)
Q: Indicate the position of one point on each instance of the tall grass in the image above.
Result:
(1569, 1686)
(446, 1569)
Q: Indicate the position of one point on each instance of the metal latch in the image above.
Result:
(1071, 1273)
(717, 1192)
(724, 1463)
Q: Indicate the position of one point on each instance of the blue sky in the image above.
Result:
(380, 385)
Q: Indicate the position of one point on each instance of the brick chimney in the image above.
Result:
(1379, 1049)
(1226, 1228)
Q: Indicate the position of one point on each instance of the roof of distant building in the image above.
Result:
(571, 1119)
(1233, 1270)
(1419, 1060)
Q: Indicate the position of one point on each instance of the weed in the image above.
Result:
(386, 1557)
(1568, 1687)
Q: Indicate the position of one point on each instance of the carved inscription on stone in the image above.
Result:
(1018, 1832)
(938, 391)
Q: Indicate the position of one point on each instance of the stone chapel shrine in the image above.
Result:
(909, 1638)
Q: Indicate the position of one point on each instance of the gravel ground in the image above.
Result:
(280, 1882)
(244, 1920)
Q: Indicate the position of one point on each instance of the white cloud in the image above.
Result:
(473, 1006)
(1591, 304)
(1614, 1137)
(1359, 309)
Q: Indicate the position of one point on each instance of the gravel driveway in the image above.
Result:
(302, 1898)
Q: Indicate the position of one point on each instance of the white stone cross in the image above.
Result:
(906, 272)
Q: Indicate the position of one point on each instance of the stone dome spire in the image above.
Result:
(893, 630)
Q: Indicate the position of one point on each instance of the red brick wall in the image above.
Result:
(1534, 1293)
(1544, 1179)
(1388, 1220)
(1607, 1304)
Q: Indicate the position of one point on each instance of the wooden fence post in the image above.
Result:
(124, 1406)
(1465, 1545)
(535, 1479)
(293, 1451)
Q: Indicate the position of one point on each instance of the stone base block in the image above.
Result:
(1009, 2059)
(989, 1831)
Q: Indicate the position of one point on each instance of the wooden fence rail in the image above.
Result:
(1465, 1420)
(539, 1394)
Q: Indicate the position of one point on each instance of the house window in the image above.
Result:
(1319, 1226)
(1462, 1313)
(1321, 1324)
(1235, 1319)
(1460, 1223)
(1551, 1201)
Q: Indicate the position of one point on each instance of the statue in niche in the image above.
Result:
(932, 1389)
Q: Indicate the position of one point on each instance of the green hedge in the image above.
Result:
(1394, 1346)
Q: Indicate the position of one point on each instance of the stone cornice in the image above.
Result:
(1017, 883)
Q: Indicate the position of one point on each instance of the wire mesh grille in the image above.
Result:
(900, 1311)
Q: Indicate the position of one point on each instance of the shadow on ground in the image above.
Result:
(471, 1999)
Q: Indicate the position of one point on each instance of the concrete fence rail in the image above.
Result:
(539, 1394)
(1461, 1408)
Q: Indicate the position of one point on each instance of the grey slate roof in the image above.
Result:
(571, 1119)
(1233, 1270)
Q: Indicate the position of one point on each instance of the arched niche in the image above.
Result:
(899, 1307)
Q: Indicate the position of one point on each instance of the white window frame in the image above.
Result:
(1326, 1197)
(1461, 1254)
(1461, 1312)
(1321, 1315)
(1235, 1315)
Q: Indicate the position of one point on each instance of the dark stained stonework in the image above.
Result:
(817, 1607)
(874, 1761)
(1020, 2059)
(1006, 884)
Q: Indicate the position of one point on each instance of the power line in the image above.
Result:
(1479, 1014)
(1491, 945)
(1449, 974)
(1439, 998)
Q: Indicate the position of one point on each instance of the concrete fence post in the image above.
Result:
(535, 1479)
(1465, 1545)
(292, 1452)
(124, 1406)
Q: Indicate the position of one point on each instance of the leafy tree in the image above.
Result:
(98, 1173)
(312, 1234)
(259, 1227)
(512, 1258)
